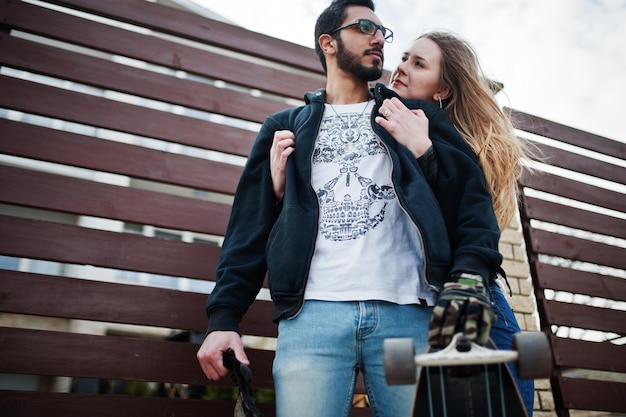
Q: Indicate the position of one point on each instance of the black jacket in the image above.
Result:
(455, 216)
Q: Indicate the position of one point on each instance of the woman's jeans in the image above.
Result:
(501, 334)
(322, 349)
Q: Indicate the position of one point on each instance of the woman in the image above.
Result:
(443, 69)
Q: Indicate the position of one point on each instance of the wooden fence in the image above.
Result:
(573, 215)
(124, 125)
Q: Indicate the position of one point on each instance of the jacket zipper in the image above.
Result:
(401, 205)
(306, 281)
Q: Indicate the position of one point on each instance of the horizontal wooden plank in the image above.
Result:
(585, 317)
(106, 38)
(569, 135)
(28, 404)
(603, 356)
(583, 164)
(578, 282)
(585, 394)
(187, 25)
(575, 190)
(79, 245)
(54, 296)
(38, 352)
(108, 75)
(34, 142)
(569, 247)
(83, 197)
(560, 214)
(101, 112)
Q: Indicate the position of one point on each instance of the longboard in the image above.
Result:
(465, 379)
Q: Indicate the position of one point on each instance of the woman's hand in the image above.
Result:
(408, 127)
(283, 145)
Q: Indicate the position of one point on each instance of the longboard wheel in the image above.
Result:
(535, 356)
(399, 359)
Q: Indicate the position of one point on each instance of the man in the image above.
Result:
(357, 247)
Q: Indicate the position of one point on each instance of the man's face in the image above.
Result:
(359, 54)
(352, 63)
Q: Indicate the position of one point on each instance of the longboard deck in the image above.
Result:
(466, 379)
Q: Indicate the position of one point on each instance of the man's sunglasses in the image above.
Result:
(369, 28)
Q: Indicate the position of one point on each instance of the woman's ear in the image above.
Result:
(442, 93)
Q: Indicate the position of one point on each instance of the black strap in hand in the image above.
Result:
(241, 376)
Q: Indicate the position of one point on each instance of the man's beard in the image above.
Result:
(350, 63)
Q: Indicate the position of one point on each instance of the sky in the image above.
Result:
(562, 60)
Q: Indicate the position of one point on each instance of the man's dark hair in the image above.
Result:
(331, 18)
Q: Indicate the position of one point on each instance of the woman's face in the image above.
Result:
(418, 75)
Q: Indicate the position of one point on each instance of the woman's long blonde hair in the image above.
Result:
(473, 110)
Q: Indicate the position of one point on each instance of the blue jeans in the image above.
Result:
(501, 334)
(322, 349)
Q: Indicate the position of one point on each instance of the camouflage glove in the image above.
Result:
(462, 306)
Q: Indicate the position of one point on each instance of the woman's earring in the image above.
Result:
(440, 104)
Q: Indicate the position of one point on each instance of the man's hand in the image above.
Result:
(463, 306)
(210, 354)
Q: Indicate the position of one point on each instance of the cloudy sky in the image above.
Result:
(563, 60)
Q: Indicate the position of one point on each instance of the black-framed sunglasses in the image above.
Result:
(369, 28)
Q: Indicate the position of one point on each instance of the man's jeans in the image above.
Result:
(321, 350)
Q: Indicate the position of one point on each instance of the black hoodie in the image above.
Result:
(454, 216)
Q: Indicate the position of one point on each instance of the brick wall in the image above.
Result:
(523, 303)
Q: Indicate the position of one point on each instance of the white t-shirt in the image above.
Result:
(367, 247)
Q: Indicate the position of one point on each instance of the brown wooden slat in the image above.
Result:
(360, 412)
(114, 40)
(212, 32)
(65, 148)
(573, 217)
(113, 357)
(588, 355)
(575, 190)
(583, 164)
(39, 295)
(55, 192)
(584, 394)
(66, 65)
(79, 245)
(579, 282)
(33, 294)
(570, 135)
(585, 317)
(569, 247)
(28, 404)
(222, 139)
(100, 112)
